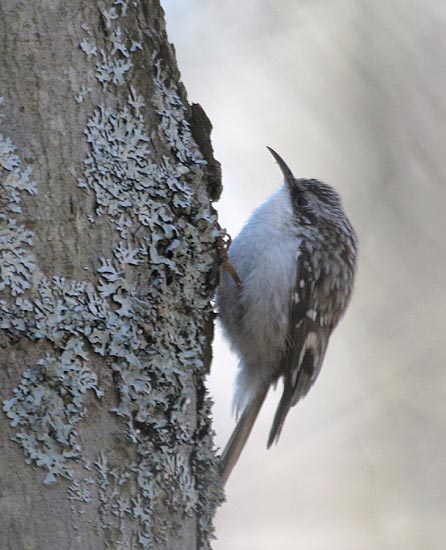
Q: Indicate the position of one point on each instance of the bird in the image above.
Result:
(295, 261)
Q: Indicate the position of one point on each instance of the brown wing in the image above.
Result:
(308, 333)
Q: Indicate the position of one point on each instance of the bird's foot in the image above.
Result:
(223, 243)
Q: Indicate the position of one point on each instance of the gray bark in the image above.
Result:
(107, 269)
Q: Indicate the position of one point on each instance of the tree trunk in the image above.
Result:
(107, 270)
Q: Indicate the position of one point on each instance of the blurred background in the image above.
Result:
(353, 93)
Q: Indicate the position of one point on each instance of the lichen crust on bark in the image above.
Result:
(141, 312)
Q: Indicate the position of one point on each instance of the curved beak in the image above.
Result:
(287, 174)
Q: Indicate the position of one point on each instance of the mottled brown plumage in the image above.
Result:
(296, 259)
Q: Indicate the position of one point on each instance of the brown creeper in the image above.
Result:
(296, 259)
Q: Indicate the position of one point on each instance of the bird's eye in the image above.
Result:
(302, 201)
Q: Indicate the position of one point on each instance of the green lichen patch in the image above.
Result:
(16, 263)
(46, 406)
(144, 315)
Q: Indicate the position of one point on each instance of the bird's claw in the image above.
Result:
(223, 243)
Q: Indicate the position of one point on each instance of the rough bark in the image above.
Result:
(107, 269)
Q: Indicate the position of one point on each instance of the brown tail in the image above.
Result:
(281, 413)
(239, 436)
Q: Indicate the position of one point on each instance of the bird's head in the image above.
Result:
(311, 199)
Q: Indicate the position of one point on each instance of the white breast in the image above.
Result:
(256, 318)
